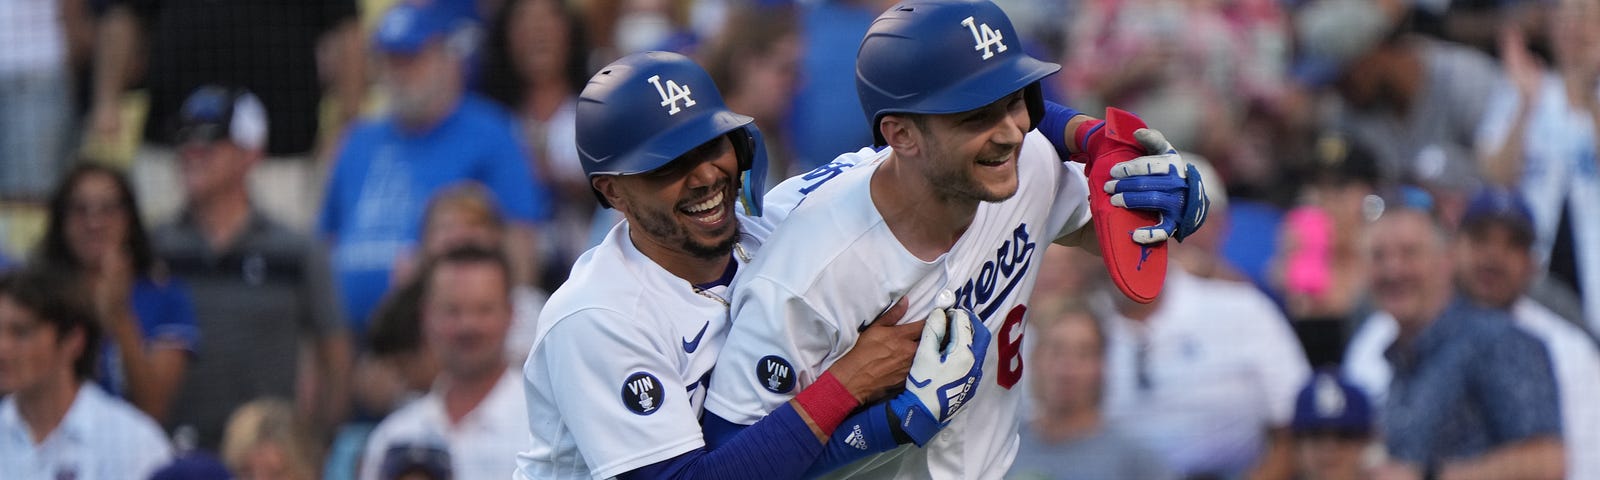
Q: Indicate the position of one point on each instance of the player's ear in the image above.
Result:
(900, 133)
(608, 188)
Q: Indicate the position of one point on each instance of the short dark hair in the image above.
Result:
(56, 299)
(465, 254)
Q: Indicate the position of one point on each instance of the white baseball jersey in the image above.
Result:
(833, 266)
(616, 377)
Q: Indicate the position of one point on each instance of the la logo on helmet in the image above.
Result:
(672, 93)
(985, 38)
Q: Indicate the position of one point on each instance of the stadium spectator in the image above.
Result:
(56, 423)
(418, 461)
(398, 368)
(401, 366)
(1539, 137)
(462, 215)
(1189, 68)
(1333, 429)
(263, 293)
(436, 133)
(1320, 271)
(538, 53)
(265, 439)
(1493, 268)
(194, 465)
(622, 27)
(1205, 375)
(755, 62)
(289, 54)
(1067, 436)
(1414, 101)
(146, 314)
(44, 41)
(1470, 394)
(827, 113)
(475, 408)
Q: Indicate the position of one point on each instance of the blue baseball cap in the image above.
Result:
(1499, 206)
(431, 460)
(410, 24)
(193, 466)
(1331, 404)
(214, 113)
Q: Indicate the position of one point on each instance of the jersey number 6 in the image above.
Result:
(1009, 342)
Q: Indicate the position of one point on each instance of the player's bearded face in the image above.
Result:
(972, 155)
(688, 204)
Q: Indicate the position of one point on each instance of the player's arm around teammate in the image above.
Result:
(614, 379)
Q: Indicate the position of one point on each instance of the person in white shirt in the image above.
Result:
(475, 408)
(1494, 266)
(1206, 375)
(1539, 136)
(56, 423)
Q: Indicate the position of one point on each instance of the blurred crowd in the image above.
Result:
(253, 235)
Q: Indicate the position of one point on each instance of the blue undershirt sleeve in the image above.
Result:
(863, 434)
(1054, 125)
(779, 447)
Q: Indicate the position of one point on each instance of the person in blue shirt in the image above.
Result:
(1471, 396)
(435, 134)
(147, 317)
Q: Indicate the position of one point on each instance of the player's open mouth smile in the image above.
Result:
(997, 160)
(711, 212)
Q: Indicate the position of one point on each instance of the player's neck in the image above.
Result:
(222, 218)
(926, 223)
(43, 408)
(463, 394)
(1059, 426)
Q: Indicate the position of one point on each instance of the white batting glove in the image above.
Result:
(942, 380)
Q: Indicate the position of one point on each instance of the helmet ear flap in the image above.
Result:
(1033, 95)
(751, 149)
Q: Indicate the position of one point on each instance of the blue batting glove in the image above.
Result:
(1161, 182)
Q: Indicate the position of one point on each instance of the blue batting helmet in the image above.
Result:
(944, 56)
(647, 109)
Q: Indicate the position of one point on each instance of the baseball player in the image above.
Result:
(617, 375)
(964, 200)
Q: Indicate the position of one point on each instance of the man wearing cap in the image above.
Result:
(1333, 428)
(262, 291)
(289, 53)
(435, 134)
(1471, 395)
(1494, 267)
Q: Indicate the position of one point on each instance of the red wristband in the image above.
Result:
(1086, 137)
(827, 402)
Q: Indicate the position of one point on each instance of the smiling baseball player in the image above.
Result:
(962, 203)
(617, 375)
